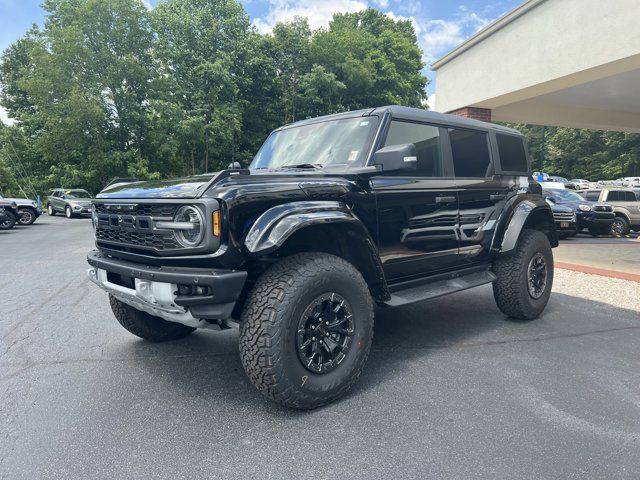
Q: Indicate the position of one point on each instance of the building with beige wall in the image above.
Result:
(572, 63)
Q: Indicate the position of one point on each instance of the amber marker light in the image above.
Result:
(216, 223)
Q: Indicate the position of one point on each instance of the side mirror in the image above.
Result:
(396, 157)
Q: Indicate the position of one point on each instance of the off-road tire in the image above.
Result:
(68, 212)
(50, 210)
(10, 222)
(26, 216)
(510, 290)
(147, 326)
(599, 231)
(624, 227)
(269, 324)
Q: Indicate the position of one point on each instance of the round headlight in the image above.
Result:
(192, 236)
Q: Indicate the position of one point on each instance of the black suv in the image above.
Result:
(386, 206)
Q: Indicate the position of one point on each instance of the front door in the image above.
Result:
(417, 211)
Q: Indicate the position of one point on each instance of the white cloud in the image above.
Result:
(147, 4)
(4, 117)
(441, 36)
(318, 13)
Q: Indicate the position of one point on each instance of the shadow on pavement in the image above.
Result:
(207, 363)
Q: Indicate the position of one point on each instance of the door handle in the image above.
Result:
(497, 197)
(446, 199)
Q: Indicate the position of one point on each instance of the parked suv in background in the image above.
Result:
(384, 206)
(28, 210)
(626, 207)
(631, 182)
(71, 202)
(593, 216)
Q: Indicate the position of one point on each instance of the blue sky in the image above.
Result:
(440, 24)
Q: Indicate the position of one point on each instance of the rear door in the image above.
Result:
(417, 211)
(482, 192)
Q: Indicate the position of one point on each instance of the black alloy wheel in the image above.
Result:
(537, 276)
(325, 333)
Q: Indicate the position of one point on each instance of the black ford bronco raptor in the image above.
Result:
(386, 207)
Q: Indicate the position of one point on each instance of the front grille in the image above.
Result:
(563, 216)
(603, 208)
(149, 240)
(132, 225)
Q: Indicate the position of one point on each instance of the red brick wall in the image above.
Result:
(483, 114)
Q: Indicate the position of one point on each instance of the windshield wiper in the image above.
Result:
(304, 166)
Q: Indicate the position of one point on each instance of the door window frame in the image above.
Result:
(445, 148)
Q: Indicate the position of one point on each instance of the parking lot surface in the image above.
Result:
(451, 389)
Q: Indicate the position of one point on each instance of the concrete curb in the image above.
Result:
(598, 271)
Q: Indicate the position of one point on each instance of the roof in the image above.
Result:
(414, 114)
(487, 31)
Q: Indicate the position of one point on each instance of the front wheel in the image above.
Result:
(306, 330)
(50, 211)
(620, 227)
(147, 326)
(525, 277)
(67, 212)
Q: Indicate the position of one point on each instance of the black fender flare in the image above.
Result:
(271, 230)
(518, 215)
(274, 226)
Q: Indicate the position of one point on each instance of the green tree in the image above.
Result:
(376, 57)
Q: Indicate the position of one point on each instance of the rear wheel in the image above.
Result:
(525, 277)
(620, 227)
(26, 216)
(147, 326)
(306, 330)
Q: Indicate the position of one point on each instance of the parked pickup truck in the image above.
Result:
(385, 206)
(626, 207)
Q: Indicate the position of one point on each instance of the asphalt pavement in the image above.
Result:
(451, 389)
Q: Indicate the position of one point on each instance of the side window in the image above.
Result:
(629, 197)
(613, 196)
(470, 151)
(426, 138)
(513, 157)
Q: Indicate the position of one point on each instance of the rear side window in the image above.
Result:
(470, 151)
(513, 157)
(629, 196)
(426, 138)
(613, 196)
(592, 196)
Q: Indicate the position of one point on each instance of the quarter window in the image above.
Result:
(513, 157)
(470, 151)
(426, 138)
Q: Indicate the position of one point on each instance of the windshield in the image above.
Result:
(564, 195)
(332, 142)
(77, 194)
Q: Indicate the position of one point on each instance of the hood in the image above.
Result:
(558, 208)
(189, 187)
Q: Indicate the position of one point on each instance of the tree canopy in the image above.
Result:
(107, 89)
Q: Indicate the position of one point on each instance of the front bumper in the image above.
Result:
(593, 219)
(155, 289)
